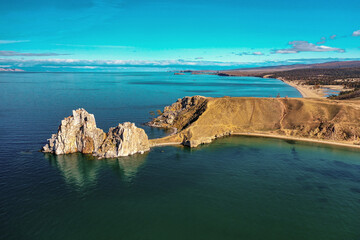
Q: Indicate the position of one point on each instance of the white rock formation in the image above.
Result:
(124, 140)
(78, 133)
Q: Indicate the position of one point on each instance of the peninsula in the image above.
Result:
(200, 120)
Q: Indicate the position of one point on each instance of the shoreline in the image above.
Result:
(306, 91)
(301, 139)
(266, 135)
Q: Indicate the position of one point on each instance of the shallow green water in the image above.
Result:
(233, 188)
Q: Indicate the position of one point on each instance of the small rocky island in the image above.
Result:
(78, 133)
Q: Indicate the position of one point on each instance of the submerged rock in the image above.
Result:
(124, 140)
(78, 133)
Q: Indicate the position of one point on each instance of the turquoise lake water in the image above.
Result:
(234, 188)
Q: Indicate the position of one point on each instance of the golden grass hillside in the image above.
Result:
(199, 120)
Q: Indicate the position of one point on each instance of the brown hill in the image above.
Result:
(199, 120)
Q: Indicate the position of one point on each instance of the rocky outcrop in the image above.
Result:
(210, 118)
(78, 133)
(123, 140)
(172, 115)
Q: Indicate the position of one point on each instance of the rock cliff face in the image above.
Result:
(173, 115)
(209, 118)
(123, 140)
(78, 133)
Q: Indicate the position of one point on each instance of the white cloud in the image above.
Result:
(84, 67)
(248, 53)
(13, 53)
(111, 63)
(12, 41)
(356, 33)
(304, 46)
(59, 65)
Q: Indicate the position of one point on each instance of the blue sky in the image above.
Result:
(66, 35)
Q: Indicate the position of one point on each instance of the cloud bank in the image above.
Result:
(356, 33)
(305, 46)
(64, 65)
(111, 63)
(249, 53)
(12, 41)
(13, 53)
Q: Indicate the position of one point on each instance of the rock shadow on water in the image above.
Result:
(295, 154)
(322, 187)
(27, 152)
(355, 190)
(82, 170)
(127, 167)
(345, 165)
(323, 200)
(289, 141)
(334, 173)
(78, 170)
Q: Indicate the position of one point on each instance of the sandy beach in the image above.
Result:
(310, 91)
(334, 143)
(268, 135)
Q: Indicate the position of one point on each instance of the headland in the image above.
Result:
(200, 120)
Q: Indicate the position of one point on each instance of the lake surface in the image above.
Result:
(233, 188)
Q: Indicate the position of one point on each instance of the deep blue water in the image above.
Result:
(233, 188)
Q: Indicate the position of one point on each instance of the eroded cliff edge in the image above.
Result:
(199, 119)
